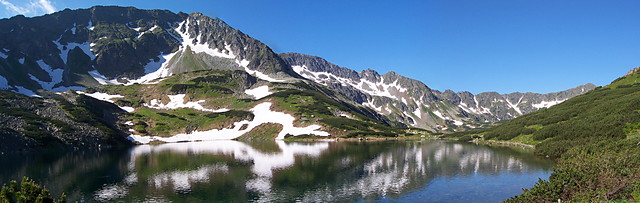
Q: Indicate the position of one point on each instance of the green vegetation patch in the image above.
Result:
(600, 172)
(185, 120)
(27, 191)
(265, 131)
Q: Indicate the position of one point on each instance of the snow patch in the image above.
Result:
(261, 75)
(177, 101)
(56, 78)
(437, 113)
(21, 60)
(547, 104)
(457, 122)
(86, 48)
(108, 98)
(372, 105)
(128, 109)
(90, 26)
(73, 29)
(418, 113)
(373, 88)
(155, 70)
(102, 79)
(4, 56)
(25, 91)
(259, 92)
(263, 114)
(4, 84)
(102, 96)
(200, 47)
(515, 106)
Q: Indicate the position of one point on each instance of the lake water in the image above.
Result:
(277, 171)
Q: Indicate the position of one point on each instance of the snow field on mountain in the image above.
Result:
(547, 104)
(259, 92)
(108, 98)
(177, 101)
(377, 88)
(263, 114)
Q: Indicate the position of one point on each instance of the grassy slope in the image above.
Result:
(594, 136)
(221, 89)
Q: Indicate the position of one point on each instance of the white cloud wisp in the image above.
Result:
(31, 8)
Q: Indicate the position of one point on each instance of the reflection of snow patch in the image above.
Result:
(263, 163)
(110, 192)
(181, 180)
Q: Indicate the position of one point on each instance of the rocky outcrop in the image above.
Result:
(74, 121)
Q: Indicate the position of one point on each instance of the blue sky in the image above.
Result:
(464, 45)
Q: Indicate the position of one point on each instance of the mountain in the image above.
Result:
(412, 102)
(594, 136)
(74, 49)
(170, 78)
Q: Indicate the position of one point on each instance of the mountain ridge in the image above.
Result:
(461, 109)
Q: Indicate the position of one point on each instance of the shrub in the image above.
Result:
(27, 191)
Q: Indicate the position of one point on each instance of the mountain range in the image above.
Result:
(414, 103)
(183, 77)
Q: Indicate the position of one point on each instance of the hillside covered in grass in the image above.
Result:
(227, 104)
(595, 138)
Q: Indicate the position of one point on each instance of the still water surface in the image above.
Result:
(232, 171)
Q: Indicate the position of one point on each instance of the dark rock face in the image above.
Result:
(123, 43)
(413, 103)
(34, 123)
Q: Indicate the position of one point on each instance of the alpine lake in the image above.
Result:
(279, 171)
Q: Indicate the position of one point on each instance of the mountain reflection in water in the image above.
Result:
(277, 171)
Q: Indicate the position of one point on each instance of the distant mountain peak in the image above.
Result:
(633, 71)
(413, 103)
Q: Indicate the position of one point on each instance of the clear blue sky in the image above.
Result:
(490, 45)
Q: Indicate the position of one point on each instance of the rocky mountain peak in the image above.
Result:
(124, 45)
(632, 71)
